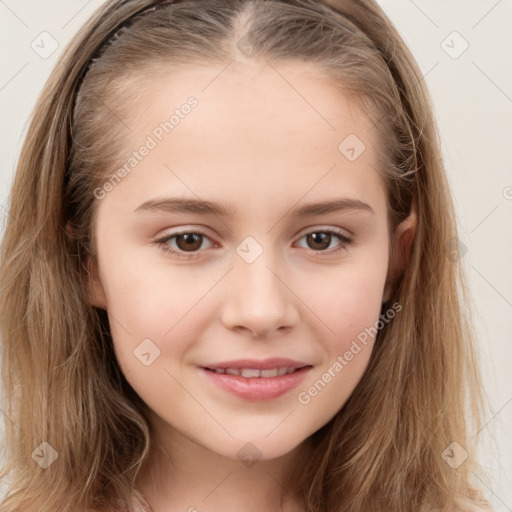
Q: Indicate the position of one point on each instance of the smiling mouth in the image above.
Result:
(256, 373)
(254, 384)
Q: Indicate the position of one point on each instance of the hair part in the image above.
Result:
(61, 380)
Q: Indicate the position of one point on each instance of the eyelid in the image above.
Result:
(162, 240)
(172, 232)
(203, 231)
(325, 227)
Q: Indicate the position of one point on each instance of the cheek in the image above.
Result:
(144, 293)
(160, 303)
(350, 307)
(350, 299)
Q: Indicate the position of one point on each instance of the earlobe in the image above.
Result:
(402, 243)
(96, 293)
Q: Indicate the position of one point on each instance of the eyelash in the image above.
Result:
(162, 243)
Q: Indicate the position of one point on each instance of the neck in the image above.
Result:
(181, 475)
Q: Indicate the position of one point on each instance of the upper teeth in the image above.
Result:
(253, 372)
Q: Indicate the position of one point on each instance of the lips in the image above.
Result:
(254, 372)
(257, 380)
(257, 364)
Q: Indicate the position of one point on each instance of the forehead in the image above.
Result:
(273, 128)
(257, 99)
(294, 90)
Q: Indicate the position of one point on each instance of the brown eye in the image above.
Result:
(187, 244)
(189, 241)
(319, 240)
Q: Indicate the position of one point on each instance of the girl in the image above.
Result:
(228, 276)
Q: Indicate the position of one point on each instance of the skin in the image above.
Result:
(266, 147)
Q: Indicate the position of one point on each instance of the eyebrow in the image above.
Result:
(180, 205)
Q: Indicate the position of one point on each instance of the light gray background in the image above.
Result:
(472, 95)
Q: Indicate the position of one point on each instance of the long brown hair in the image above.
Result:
(64, 393)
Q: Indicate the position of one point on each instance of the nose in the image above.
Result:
(259, 300)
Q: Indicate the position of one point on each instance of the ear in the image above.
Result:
(402, 242)
(96, 293)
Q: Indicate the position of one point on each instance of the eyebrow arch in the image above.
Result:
(180, 205)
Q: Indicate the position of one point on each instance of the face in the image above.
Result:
(262, 275)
